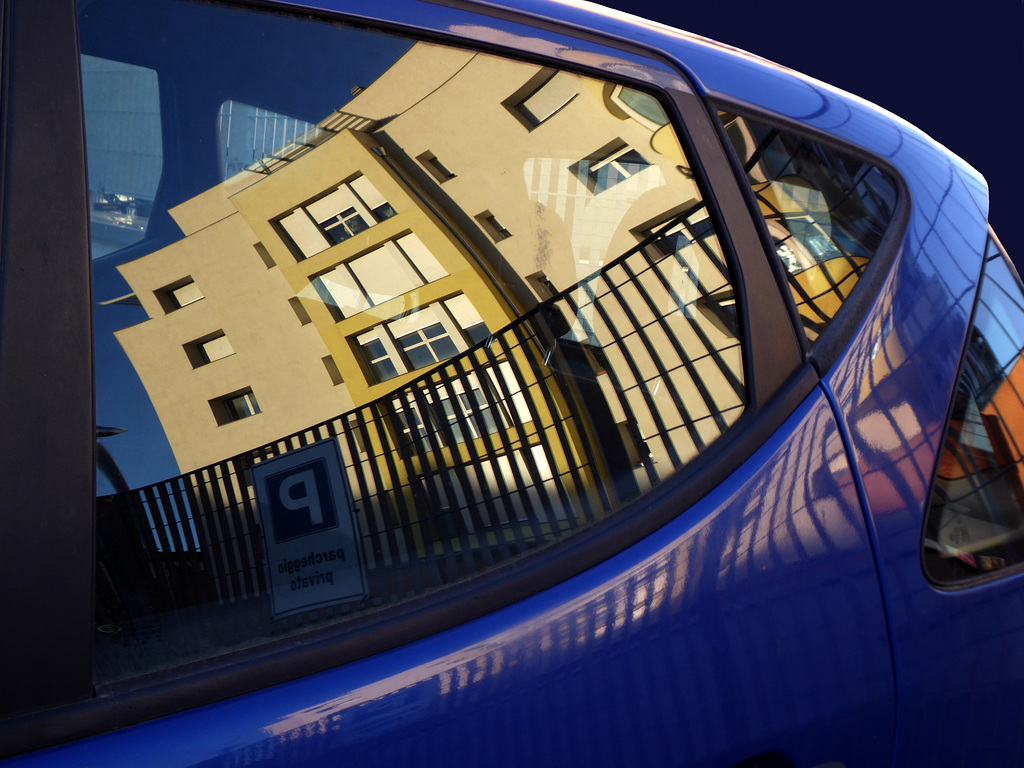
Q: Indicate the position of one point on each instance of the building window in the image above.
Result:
(640, 106)
(186, 294)
(343, 225)
(676, 239)
(344, 212)
(467, 318)
(384, 273)
(470, 413)
(437, 169)
(332, 370)
(493, 227)
(544, 95)
(610, 167)
(235, 407)
(685, 254)
(208, 349)
(178, 295)
(410, 420)
(300, 311)
(380, 209)
(264, 255)
(427, 346)
(466, 415)
(421, 339)
(380, 357)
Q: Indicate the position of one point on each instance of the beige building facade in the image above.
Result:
(446, 200)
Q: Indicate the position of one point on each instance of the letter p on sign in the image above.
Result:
(301, 501)
(298, 492)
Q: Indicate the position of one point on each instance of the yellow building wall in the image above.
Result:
(340, 159)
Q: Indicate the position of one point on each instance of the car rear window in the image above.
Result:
(826, 212)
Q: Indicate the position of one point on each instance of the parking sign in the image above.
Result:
(310, 533)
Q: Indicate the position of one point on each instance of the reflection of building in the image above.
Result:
(402, 240)
(494, 285)
(389, 287)
(122, 118)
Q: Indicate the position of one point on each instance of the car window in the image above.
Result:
(422, 310)
(975, 523)
(122, 114)
(250, 134)
(826, 211)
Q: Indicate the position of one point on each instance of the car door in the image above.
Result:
(940, 480)
(569, 534)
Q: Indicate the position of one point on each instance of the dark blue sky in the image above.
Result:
(955, 70)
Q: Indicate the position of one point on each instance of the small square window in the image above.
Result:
(177, 295)
(340, 214)
(344, 225)
(332, 370)
(437, 169)
(186, 294)
(235, 407)
(610, 167)
(300, 311)
(428, 346)
(264, 255)
(544, 98)
(493, 227)
(209, 349)
(382, 367)
(384, 211)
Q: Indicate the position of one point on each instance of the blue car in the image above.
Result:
(492, 385)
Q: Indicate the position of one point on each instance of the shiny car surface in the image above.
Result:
(456, 383)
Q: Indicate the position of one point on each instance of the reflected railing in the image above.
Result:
(826, 210)
(974, 524)
(548, 425)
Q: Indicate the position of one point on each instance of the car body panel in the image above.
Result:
(727, 634)
(960, 653)
(786, 613)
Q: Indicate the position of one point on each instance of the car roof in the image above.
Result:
(721, 71)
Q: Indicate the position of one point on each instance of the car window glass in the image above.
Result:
(975, 522)
(249, 135)
(122, 113)
(458, 308)
(825, 209)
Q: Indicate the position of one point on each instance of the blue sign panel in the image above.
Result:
(310, 533)
(300, 501)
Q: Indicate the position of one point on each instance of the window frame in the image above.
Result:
(776, 377)
(48, 660)
(837, 334)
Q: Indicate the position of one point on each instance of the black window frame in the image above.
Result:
(825, 351)
(46, 529)
(48, 664)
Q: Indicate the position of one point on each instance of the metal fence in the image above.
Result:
(548, 425)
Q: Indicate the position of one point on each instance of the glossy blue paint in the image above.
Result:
(960, 654)
(419, 17)
(753, 623)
